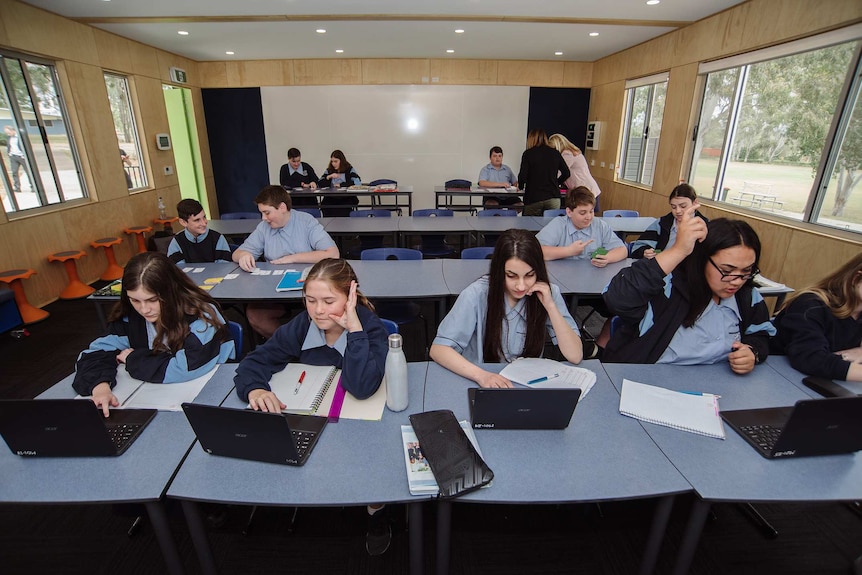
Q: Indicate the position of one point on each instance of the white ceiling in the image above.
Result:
(263, 29)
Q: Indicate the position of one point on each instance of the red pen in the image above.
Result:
(298, 383)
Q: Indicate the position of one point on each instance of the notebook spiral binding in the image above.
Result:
(321, 393)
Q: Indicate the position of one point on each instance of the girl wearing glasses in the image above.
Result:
(693, 303)
(820, 328)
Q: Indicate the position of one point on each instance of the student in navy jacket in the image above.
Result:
(820, 328)
(338, 174)
(662, 233)
(165, 329)
(340, 328)
(693, 303)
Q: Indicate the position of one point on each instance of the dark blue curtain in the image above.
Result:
(560, 111)
(234, 118)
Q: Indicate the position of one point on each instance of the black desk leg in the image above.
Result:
(159, 519)
(100, 313)
(417, 559)
(199, 537)
(661, 515)
(691, 537)
(444, 535)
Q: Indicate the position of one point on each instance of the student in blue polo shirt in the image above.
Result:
(196, 243)
(579, 234)
(496, 174)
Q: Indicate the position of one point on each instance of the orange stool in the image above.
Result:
(166, 223)
(140, 230)
(76, 288)
(29, 313)
(113, 271)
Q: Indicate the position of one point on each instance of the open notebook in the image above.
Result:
(540, 373)
(321, 393)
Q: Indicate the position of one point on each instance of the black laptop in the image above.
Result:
(68, 427)
(811, 427)
(284, 438)
(522, 408)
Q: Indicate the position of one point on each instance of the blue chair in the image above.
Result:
(434, 246)
(314, 212)
(241, 216)
(375, 201)
(370, 214)
(497, 212)
(400, 312)
(554, 213)
(236, 334)
(391, 326)
(480, 253)
(458, 184)
(10, 317)
(620, 214)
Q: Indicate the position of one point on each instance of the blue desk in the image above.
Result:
(731, 470)
(601, 456)
(353, 463)
(140, 475)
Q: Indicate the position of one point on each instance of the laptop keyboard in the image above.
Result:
(122, 433)
(302, 440)
(763, 435)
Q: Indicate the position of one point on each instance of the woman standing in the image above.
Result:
(543, 171)
(574, 158)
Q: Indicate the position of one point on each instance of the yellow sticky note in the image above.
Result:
(206, 288)
(212, 281)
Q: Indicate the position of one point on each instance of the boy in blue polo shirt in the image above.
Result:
(196, 243)
(579, 235)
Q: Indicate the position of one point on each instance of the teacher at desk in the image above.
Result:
(339, 174)
(694, 303)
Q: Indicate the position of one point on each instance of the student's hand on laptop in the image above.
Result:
(741, 358)
(104, 398)
(264, 400)
(491, 379)
(246, 262)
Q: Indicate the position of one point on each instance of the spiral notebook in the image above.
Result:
(694, 412)
(304, 388)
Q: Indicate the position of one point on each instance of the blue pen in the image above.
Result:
(700, 393)
(541, 379)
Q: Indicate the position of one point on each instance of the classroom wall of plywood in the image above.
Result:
(795, 254)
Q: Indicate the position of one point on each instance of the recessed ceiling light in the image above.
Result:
(653, 2)
(182, 33)
(320, 31)
(229, 53)
(594, 34)
(339, 51)
(558, 53)
(459, 31)
(450, 51)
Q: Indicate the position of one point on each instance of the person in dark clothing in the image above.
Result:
(196, 243)
(693, 303)
(164, 329)
(297, 174)
(543, 172)
(339, 174)
(820, 328)
(662, 233)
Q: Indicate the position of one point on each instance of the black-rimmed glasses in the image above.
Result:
(726, 277)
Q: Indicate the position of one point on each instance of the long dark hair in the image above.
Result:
(344, 166)
(523, 245)
(178, 295)
(723, 234)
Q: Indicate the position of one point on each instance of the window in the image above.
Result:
(125, 128)
(780, 131)
(645, 99)
(40, 164)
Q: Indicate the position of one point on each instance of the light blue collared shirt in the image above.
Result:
(303, 233)
(710, 339)
(562, 232)
(316, 337)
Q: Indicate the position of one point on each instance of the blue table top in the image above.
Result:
(730, 469)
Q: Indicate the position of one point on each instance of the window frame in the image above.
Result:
(26, 146)
(631, 88)
(145, 185)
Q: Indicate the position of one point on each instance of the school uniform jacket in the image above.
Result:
(362, 364)
(202, 349)
(809, 333)
(653, 306)
(657, 235)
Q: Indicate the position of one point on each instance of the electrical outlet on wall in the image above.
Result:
(602, 164)
(169, 170)
(610, 166)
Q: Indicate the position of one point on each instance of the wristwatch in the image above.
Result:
(755, 352)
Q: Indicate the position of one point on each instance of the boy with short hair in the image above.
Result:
(579, 235)
(196, 243)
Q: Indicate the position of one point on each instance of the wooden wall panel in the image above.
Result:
(213, 74)
(167, 60)
(326, 72)
(529, 73)
(395, 71)
(33, 30)
(577, 74)
(253, 73)
(114, 52)
(145, 60)
(151, 103)
(463, 72)
(675, 126)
